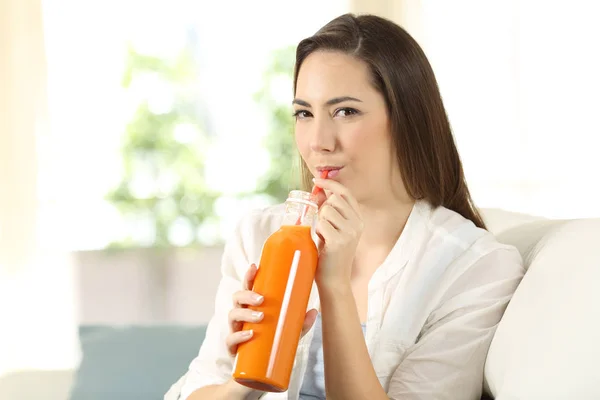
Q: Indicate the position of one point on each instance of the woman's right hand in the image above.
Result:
(240, 313)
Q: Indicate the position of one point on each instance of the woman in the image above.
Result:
(410, 285)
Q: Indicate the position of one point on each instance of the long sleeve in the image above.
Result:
(447, 361)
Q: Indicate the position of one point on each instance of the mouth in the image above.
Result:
(332, 171)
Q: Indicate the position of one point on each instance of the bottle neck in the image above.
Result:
(300, 209)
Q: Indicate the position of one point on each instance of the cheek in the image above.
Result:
(302, 143)
(367, 142)
(369, 149)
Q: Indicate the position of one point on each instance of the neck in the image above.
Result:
(383, 225)
(385, 213)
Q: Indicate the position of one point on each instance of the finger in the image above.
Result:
(342, 206)
(309, 321)
(247, 298)
(233, 340)
(321, 198)
(240, 315)
(333, 216)
(249, 277)
(337, 188)
(325, 230)
(332, 186)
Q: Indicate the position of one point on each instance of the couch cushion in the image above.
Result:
(134, 362)
(498, 220)
(547, 345)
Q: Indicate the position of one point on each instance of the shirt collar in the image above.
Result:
(405, 246)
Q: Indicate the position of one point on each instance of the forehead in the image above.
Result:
(326, 74)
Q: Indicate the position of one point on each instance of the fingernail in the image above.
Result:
(257, 315)
(313, 179)
(247, 333)
(258, 298)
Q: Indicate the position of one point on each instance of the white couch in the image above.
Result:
(547, 345)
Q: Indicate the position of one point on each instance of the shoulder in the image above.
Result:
(458, 265)
(460, 245)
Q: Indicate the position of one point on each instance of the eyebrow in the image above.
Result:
(329, 102)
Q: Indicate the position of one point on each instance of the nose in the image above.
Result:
(322, 137)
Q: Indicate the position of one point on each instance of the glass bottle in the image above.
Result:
(285, 276)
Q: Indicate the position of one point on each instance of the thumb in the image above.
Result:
(321, 197)
(309, 321)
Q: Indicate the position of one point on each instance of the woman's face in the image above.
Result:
(342, 125)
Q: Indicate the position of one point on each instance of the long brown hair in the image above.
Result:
(429, 162)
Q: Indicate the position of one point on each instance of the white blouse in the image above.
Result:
(433, 307)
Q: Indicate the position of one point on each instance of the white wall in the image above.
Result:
(520, 83)
(146, 287)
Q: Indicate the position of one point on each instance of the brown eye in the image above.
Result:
(346, 112)
(302, 114)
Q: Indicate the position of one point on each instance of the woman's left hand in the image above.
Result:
(339, 226)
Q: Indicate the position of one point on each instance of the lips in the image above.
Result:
(332, 171)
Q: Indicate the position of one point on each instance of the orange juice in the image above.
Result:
(285, 277)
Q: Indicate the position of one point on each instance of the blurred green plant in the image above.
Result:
(163, 190)
(163, 193)
(275, 97)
